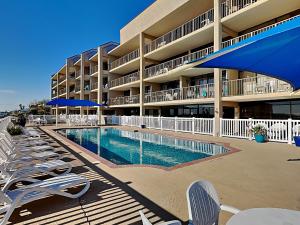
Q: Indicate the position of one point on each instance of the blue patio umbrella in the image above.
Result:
(275, 52)
(71, 102)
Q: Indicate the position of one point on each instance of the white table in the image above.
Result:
(266, 216)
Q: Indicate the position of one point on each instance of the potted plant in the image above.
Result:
(260, 133)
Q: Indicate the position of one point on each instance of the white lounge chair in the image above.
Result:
(204, 204)
(13, 199)
(26, 171)
(147, 222)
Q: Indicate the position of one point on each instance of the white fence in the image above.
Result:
(191, 125)
(277, 130)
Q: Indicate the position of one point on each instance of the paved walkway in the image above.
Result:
(260, 175)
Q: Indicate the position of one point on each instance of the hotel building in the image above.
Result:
(153, 69)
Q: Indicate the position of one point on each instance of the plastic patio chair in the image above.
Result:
(147, 222)
(204, 205)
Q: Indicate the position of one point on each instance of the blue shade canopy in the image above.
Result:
(72, 102)
(275, 53)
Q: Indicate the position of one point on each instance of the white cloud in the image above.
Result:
(7, 91)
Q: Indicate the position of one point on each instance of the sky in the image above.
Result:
(37, 36)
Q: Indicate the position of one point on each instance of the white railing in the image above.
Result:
(192, 92)
(231, 6)
(124, 100)
(255, 85)
(125, 80)
(253, 33)
(175, 63)
(180, 124)
(125, 59)
(185, 29)
(277, 130)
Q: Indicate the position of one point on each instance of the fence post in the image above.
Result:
(250, 128)
(175, 120)
(221, 127)
(290, 135)
(193, 125)
(160, 118)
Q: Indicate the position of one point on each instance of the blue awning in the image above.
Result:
(275, 53)
(72, 102)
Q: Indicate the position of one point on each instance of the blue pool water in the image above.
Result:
(128, 147)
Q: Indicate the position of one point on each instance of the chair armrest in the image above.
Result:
(230, 209)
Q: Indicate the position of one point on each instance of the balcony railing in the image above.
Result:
(231, 6)
(77, 73)
(125, 80)
(62, 91)
(94, 86)
(54, 83)
(192, 92)
(94, 69)
(125, 100)
(253, 33)
(175, 63)
(185, 29)
(61, 79)
(77, 88)
(125, 59)
(255, 85)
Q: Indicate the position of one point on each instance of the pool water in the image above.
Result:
(128, 147)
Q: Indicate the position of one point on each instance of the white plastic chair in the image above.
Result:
(147, 222)
(204, 204)
(13, 199)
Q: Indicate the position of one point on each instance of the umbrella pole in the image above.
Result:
(56, 122)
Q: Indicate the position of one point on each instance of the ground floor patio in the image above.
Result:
(259, 175)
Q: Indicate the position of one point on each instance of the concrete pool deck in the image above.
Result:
(259, 175)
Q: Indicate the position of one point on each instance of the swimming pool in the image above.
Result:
(128, 147)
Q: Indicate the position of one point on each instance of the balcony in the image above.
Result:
(127, 59)
(94, 70)
(77, 74)
(176, 63)
(253, 33)
(255, 86)
(61, 80)
(87, 88)
(62, 91)
(231, 6)
(53, 94)
(125, 80)
(94, 86)
(125, 100)
(187, 93)
(189, 28)
(77, 88)
(54, 83)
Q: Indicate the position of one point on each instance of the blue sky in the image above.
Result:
(38, 35)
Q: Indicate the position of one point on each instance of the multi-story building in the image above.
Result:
(84, 76)
(153, 70)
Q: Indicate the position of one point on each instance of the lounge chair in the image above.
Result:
(204, 204)
(13, 199)
(147, 222)
(25, 171)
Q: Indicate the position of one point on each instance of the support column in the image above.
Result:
(82, 82)
(142, 71)
(100, 82)
(218, 108)
(67, 85)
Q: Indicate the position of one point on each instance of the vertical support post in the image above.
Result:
(218, 108)
(160, 121)
(193, 125)
(56, 116)
(290, 135)
(221, 126)
(250, 128)
(82, 83)
(142, 71)
(100, 81)
(175, 124)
